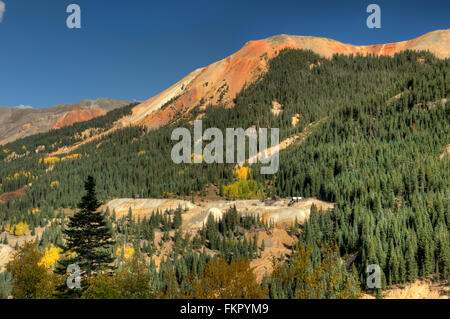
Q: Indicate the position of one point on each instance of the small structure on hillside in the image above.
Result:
(271, 200)
(295, 200)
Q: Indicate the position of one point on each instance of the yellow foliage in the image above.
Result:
(34, 211)
(243, 189)
(19, 229)
(71, 157)
(242, 172)
(50, 160)
(29, 280)
(51, 255)
(128, 252)
(54, 184)
(195, 156)
(6, 151)
(167, 194)
(17, 174)
(142, 153)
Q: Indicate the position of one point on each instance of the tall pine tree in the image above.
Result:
(88, 242)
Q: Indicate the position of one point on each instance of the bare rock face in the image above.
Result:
(282, 212)
(295, 119)
(78, 116)
(219, 82)
(215, 212)
(16, 123)
(277, 108)
(13, 195)
(5, 256)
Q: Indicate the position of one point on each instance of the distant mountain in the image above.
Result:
(19, 122)
(221, 81)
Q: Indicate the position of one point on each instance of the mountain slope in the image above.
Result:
(378, 128)
(16, 123)
(221, 81)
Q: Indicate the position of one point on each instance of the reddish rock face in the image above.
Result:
(16, 123)
(78, 116)
(13, 195)
(221, 81)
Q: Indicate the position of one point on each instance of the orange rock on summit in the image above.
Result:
(221, 81)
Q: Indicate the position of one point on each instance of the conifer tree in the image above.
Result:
(88, 242)
(177, 219)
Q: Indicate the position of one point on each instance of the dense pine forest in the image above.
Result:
(382, 124)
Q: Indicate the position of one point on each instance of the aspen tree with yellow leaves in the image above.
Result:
(242, 172)
(30, 278)
(127, 252)
(19, 229)
(51, 255)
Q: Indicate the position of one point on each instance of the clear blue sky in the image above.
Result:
(133, 49)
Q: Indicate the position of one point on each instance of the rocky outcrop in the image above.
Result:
(9, 196)
(78, 116)
(6, 253)
(281, 212)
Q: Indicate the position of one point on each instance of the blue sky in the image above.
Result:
(136, 48)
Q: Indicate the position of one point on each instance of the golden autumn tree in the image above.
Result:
(242, 172)
(30, 279)
(51, 255)
(19, 229)
(221, 280)
(127, 252)
(243, 188)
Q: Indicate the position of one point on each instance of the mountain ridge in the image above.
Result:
(221, 81)
(16, 123)
(375, 156)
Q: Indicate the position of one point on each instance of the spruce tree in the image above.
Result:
(177, 219)
(88, 242)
